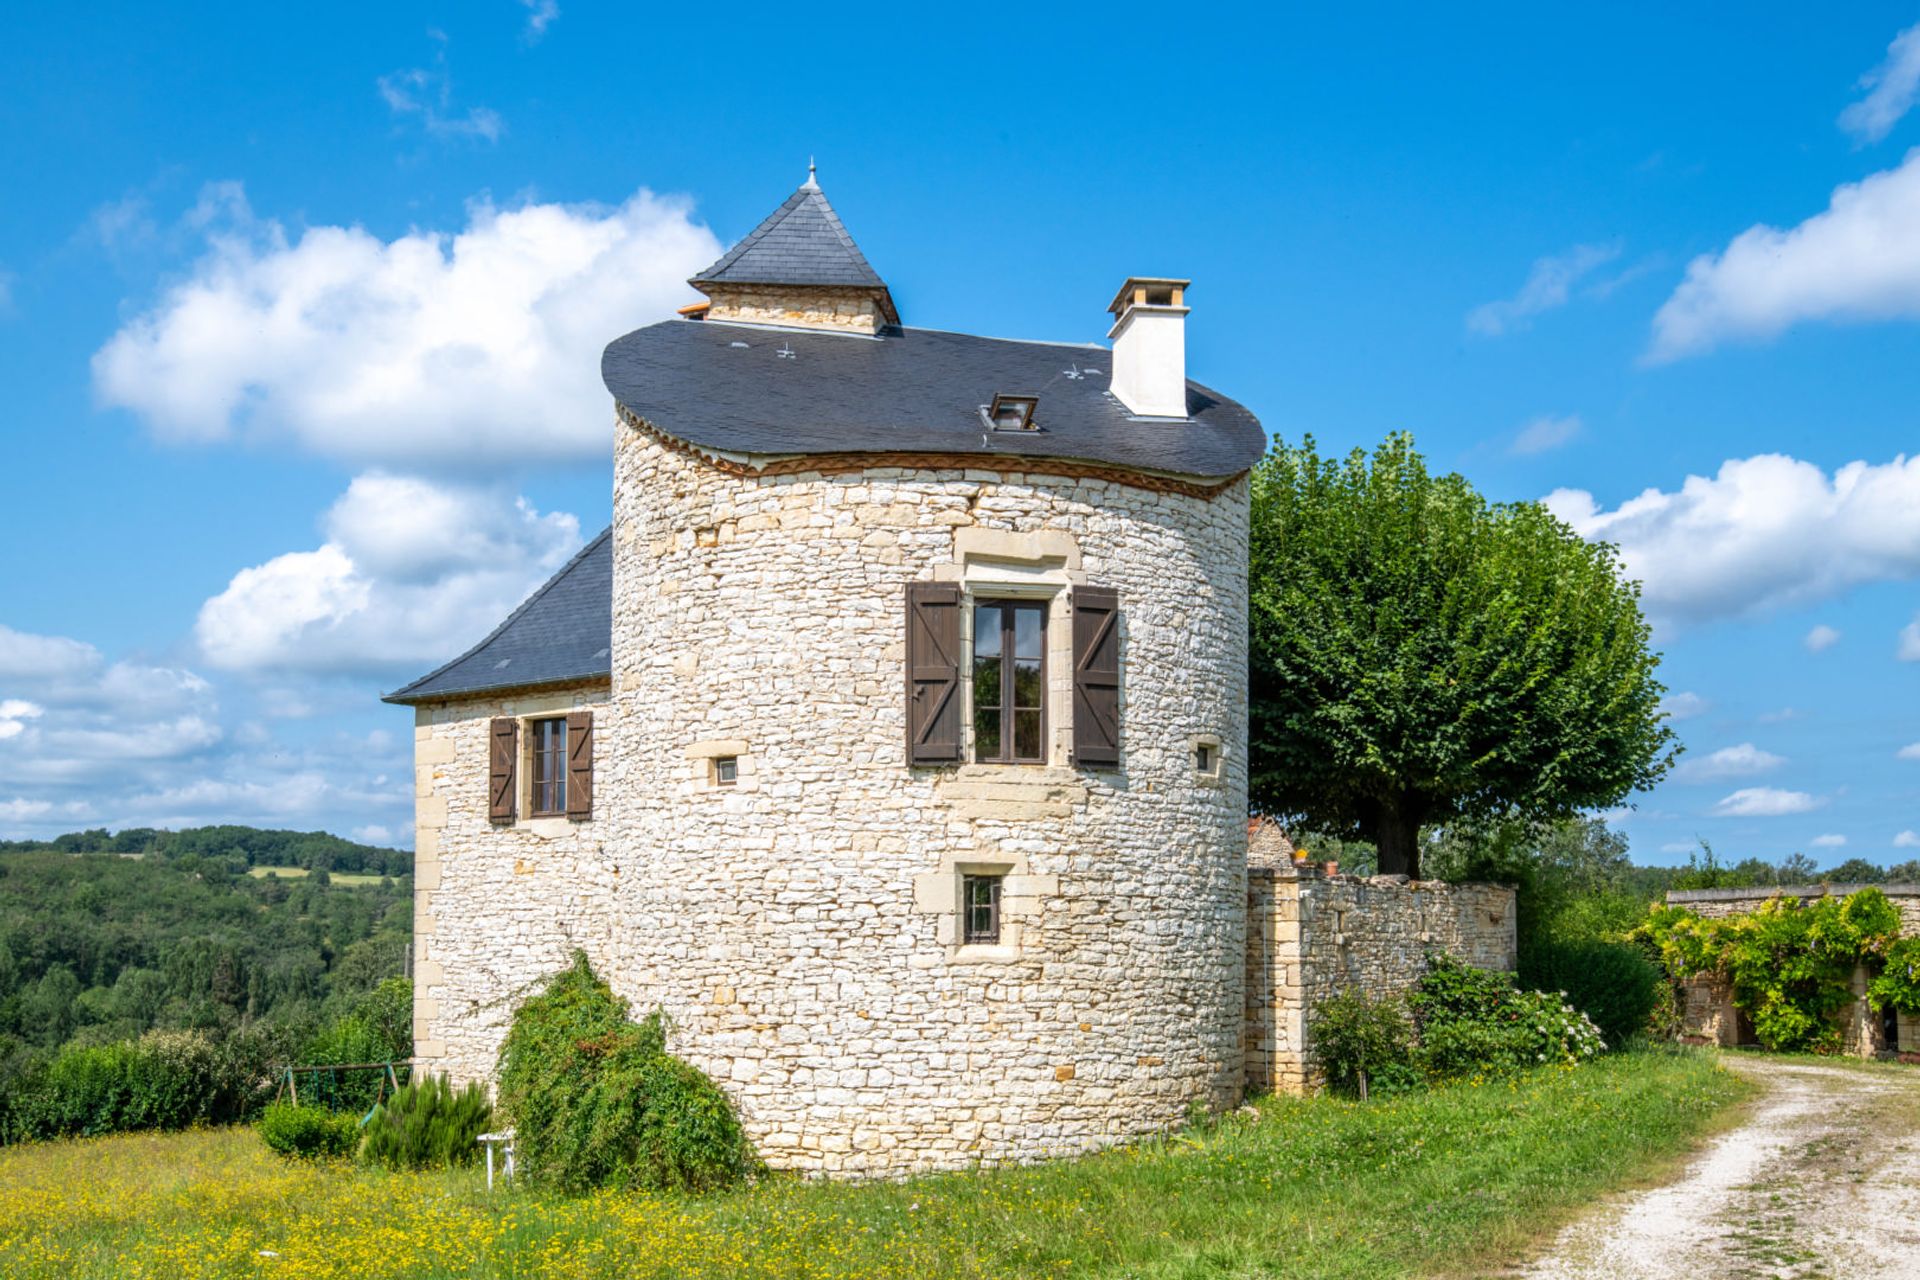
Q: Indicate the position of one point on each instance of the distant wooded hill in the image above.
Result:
(312, 850)
(97, 944)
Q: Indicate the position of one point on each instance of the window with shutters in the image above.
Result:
(1009, 681)
(547, 758)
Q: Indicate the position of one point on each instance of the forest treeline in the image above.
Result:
(100, 947)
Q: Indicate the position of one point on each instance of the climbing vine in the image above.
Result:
(1790, 963)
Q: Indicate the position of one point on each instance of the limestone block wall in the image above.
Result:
(497, 908)
(817, 307)
(799, 927)
(1312, 935)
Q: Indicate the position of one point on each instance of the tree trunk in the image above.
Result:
(1395, 832)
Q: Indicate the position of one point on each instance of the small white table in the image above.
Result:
(504, 1140)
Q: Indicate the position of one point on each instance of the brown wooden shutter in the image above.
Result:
(933, 672)
(503, 755)
(579, 764)
(1096, 676)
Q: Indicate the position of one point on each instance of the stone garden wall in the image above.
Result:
(1312, 935)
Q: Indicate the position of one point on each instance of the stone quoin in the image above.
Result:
(893, 738)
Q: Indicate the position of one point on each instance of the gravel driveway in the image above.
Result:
(1823, 1179)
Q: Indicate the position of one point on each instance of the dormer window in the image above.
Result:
(1013, 413)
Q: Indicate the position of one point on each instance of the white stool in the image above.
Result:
(503, 1139)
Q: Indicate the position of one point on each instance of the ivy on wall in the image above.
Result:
(1790, 963)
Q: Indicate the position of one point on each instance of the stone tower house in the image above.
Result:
(893, 738)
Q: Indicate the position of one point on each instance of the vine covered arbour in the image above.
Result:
(1791, 964)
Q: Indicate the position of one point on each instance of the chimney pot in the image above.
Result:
(1150, 346)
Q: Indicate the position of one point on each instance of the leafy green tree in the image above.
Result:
(1855, 871)
(1420, 655)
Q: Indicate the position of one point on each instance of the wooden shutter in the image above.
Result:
(933, 672)
(503, 756)
(579, 764)
(1096, 676)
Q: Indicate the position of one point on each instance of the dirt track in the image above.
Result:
(1822, 1179)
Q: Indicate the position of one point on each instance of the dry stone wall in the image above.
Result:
(1312, 935)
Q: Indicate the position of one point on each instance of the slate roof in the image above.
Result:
(739, 388)
(563, 633)
(801, 242)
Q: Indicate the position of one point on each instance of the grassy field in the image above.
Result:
(297, 873)
(1437, 1183)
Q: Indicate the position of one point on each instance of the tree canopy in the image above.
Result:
(1421, 655)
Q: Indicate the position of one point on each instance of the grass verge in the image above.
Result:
(1315, 1187)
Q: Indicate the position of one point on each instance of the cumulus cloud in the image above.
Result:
(1907, 840)
(1909, 752)
(1764, 802)
(1548, 285)
(540, 16)
(1891, 88)
(1683, 706)
(14, 714)
(411, 572)
(1743, 761)
(1763, 533)
(1908, 649)
(1821, 638)
(1857, 261)
(1546, 433)
(1832, 841)
(432, 349)
(425, 94)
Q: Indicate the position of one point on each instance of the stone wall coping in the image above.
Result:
(1760, 893)
(1318, 871)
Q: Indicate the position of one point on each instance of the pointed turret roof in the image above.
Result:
(801, 243)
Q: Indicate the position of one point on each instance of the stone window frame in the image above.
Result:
(703, 772)
(1215, 776)
(1022, 897)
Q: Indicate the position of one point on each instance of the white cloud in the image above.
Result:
(426, 94)
(1743, 761)
(1545, 433)
(1779, 716)
(411, 572)
(1764, 533)
(14, 714)
(540, 16)
(1683, 706)
(1909, 752)
(1891, 89)
(1821, 638)
(1829, 842)
(454, 350)
(1858, 261)
(1764, 802)
(1548, 285)
(1908, 649)
(1907, 840)
(1678, 846)
(19, 810)
(373, 833)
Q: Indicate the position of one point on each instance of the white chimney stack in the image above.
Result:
(1150, 347)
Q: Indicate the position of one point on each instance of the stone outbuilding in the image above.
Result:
(1709, 1016)
(893, 738)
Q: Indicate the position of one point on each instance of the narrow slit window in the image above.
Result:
(1009, 681)
(980, 906)
(1205, 758)
(549, 750)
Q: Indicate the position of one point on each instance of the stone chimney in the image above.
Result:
(1150, 346)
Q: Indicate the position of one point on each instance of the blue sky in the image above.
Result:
(300, 321)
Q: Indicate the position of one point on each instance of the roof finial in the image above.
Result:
(812, 183)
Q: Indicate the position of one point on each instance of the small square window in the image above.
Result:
(1203, 758)
(726, 770)
(980, 910)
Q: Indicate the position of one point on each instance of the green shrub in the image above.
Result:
(1364, 1046)
(1473, 1021)
(427, 1125)
(163, 1080)
(595, 1099)
(313, 1133)
(1613, 983)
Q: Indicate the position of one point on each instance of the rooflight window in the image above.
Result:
(1013, 413)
